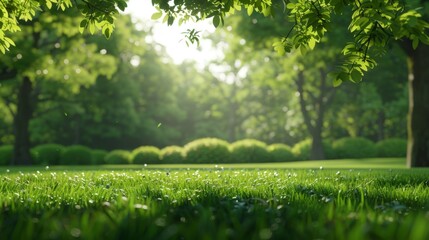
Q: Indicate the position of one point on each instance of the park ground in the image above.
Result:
(335, 199)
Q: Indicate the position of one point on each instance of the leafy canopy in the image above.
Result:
(373, 23)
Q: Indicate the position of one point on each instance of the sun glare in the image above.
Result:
(172, 37)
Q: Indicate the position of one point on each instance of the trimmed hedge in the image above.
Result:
(172, 154)
(210, 150)
(6, 154)
(354, 148)
(146, 154)
(302, 150)
(394, 147)
(280, 153)
(48, 154)
(76, 155)
(249, 151)
(207, 150)
(98, 156)
(118, 157)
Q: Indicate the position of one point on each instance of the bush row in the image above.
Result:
(210, 150)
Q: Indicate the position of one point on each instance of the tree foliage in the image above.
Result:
(373, 23)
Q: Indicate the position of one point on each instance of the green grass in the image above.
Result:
(254, 202)
(371, 163)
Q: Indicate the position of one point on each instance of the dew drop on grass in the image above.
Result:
(140, 206)
(160, 222)
(75, 232)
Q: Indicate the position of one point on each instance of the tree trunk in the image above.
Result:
(21, 124)
(418, 114)
(232, 121)
(315, 130)
(380, 123)
(317, 151)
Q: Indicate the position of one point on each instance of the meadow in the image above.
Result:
(330, 201)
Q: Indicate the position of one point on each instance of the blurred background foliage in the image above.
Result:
(126, 92)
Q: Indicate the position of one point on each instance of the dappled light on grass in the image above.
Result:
(214, 203)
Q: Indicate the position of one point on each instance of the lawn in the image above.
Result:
(361, 201)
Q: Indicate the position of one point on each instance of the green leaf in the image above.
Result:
(165, 19)
(279, 48)
(356, 76)
(266, 11)
(48, 4)
(107, 32)
(415, 43)
(121, 5)
(156, 16)
(312, 43)
(337, 82)
(216, 21)
(170, 20)
(303, 49)
(8, 40)
(290, 5)
(92, 27)
(249, 10)
(83, 25)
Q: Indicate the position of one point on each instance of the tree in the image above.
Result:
(373, 23)
(51, 62)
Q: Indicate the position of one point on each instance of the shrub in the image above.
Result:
(48, 154)
(354, 148)
(146, 154)
(249, 151)
(394, 147)
(98, 156)
(302, 150)
(6, 154)
(76, 155)
(118, 157)
(207, 150)
(172, 154)
(280, 153)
